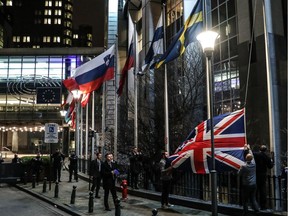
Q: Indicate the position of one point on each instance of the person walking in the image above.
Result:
(58, 159)
(135, 167)
(247, 174)
(95, 172)
(73, 166)
(109, 173)
(263, 163)
(37, 166)
(166, 179)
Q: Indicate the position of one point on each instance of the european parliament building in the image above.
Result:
(239, 66)
(40, 47)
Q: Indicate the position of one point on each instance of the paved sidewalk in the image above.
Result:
(139, 202)
(133, 206)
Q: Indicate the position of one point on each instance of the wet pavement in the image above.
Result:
(139, 203)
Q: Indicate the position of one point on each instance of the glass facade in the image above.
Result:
(20, 76)
(226, 69)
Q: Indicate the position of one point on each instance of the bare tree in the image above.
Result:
(186, 82)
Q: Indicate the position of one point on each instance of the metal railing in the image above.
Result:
(198, 186)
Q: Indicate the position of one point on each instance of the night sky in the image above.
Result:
(91, 12)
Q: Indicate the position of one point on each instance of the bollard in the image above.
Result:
(91, 202)
(56, 192)
(73, 195)
(44, 184)
(117, 207)
(154, 212)
(25, 178)
(33, 181)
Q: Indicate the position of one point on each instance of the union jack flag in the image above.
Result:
(229, 140)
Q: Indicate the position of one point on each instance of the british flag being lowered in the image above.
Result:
(229, 140)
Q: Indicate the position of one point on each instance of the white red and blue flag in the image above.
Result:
(156, 47)
(229, 140)
(90, 76)
(130, 61)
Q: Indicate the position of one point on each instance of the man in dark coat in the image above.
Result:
(95, 172)
(73, 167)
(58, 159)
(247, 175)
(109, 173)
(37, 165)
(263, 163)
(135, 167)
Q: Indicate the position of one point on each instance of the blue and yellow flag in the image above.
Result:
(187, 34)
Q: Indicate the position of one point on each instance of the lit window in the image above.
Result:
(68, 24)
(46, 39)
(35, 46)
(68, 41)
(57, 21)
(58, 3)
(16, 39)
(75, 36)
(68, 15)
(58, 12)
(47, 21)
(48, 12)
(56, 39)
(48, 3)
(26, 39)
(9, 3)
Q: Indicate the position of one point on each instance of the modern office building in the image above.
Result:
(244, 74)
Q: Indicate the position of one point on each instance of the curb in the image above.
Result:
(62, 207)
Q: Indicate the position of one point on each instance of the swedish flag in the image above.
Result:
(187, 34)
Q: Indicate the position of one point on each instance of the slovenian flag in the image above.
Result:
(90, 76)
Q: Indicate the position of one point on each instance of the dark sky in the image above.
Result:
(91, 12)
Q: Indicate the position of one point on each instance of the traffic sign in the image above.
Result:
(51, 133)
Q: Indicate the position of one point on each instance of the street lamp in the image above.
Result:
(77, 94)
(207, 40)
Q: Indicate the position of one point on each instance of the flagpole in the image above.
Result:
(87, 131)
(135, 90)
(274, 127)
(93, 126)
(116, 100)
(103, 115)
(166, 139)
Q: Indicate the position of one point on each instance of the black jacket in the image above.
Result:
(108, 177)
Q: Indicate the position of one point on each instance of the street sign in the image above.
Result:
(51, 133)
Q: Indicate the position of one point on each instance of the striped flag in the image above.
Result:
(156, 47)
(187, 34)
(90, 76)
(130, 59)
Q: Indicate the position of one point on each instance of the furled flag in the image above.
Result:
(156, 47)
(229, 140)
(85, 99)
(130, 58)
(90, 76)
(187, 34)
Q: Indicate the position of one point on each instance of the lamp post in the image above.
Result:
(207, 40)
(77, 94)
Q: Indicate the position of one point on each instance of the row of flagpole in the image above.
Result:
(84, 79)
(164, 58)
